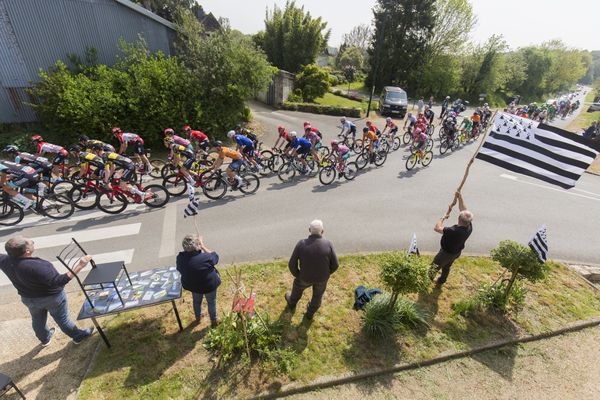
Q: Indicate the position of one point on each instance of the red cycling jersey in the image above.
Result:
(284, 135)
(45, 147)
(199, 136)
(129, 138)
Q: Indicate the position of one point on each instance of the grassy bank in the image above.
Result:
(330, 99)
(151, 359)
(583, 121)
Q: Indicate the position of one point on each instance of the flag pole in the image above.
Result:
(196, 225)
(466, 174)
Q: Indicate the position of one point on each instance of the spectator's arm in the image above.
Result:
(83, 261)
(461, 203)
(333, 261)
(439, 225)
(293, 263)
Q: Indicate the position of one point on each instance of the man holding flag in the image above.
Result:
(452, 242)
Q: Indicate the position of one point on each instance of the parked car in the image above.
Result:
(594, 107)
(393, 101)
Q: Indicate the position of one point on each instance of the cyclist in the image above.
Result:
(373, 128)
(198, 136)
(314, 137)
(45, 147)
(466, 125)
(86, 143)
(444, 106)
(302, 147)
(177, 140)
(487, 113)
(138, 145)
(450, 125)
(420, 138)
(236, 162)
(41, 164)
(14, 177)
(184, 159)
(348, 128)
(411, 120)
(371, 137)
(245, 146)
(246, 132)
(341, 153)
(89, 159)
(114, 160)
(475, 120)
(390, 126)
(429, 114)
(282, 137)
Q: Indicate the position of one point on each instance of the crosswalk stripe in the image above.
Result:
(120, 255)
(88, 235)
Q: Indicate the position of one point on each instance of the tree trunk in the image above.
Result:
(510, 285)
(393, 300)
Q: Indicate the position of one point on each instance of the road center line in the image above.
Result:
(167, 239)
(515, 179)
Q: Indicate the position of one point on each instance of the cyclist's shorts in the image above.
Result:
(59, 159)
(128, 173)
(394, 131)
(189, 148)
(204, 145)
(288, 145)
(346, 156)
(318, 145)
(187, 164)
(420, 145)
(138, 148)
(235, 165)
(28, 181)
(249, 151)
(304, 151)
(353, 131)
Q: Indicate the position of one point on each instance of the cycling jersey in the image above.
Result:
(312, 134)
(243, 141)
(120, 161)
(391, 125)
(199, 136)
(341, 149)
(41, 164)
(411, 120)
(45, 147)
(476, 118)
(373, 128)
(349, 126)
(129, 138)
(301, 144)
(92, 159)
(184, 153)
(227, 152)
(370, 135)
(181, 141)
(88, 145)
(23, 176)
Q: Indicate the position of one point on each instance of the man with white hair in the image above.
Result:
(452, 242)
(311, 264)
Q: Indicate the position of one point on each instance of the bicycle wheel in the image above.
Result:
(167, 169)
(454, 145)
(380, 157)
(314, 168)
(384, 146)
(62, 187)
(441, 133)
(362, 160)
(10, 213)
(56, 206)
(327, 175)
(112, 203)
(157, 166)
(396, 144)
(444, 146)
(351, 171)
(426, 160)
(323, 152)
(250, 183)
(411, 162)
(175, 184)
(406, 138)
(287, 171)
(430, 130)
(156, 196)
(357, 146)
(84, 198)
(429, 145)
(214, 188)
(276, 162)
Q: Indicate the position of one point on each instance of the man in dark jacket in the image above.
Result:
(317, 261)
(196, 264)
(41, 288)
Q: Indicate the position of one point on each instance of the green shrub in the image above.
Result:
(321, 109)
(313, 81)
(404, 273)
(227, 341)
(379, 321)
(295, 96)
(492, 297)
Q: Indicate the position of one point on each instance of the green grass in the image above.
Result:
(583, 121)
(359, 87)
(151, 359)
(331, 99)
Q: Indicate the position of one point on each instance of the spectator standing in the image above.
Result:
(444, 106)
(312, 263)
(591, 131)
(196, 264)
(420, 105)
(41, 288)
(452, 242)
(430, 102)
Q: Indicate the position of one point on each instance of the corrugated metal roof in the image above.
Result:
(147, 13)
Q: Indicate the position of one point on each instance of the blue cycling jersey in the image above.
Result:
(243, 141)
(302, 143)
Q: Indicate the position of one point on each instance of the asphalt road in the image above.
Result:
(377, 211)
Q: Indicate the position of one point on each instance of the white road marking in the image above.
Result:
(167, 240)
(89, 235)
(121, 255)
(516, 179)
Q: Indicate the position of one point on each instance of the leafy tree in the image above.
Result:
(404, 273)
(538, 63)
(567, 66)
(520, 261)
(441, 75)
(166, 8)
(350, 61)
(292, 37)
(360, 36)
(453, 21)
(481, 67)
(313, 81)
(402, 30)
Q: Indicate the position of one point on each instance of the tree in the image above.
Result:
(404, 273)
(227, 70)
(481, 67)
(453, 21)
(360, 36)
(313, 81)
(402, 30)
(350, 61)
(166, 8)
(292, 38)
(520, 261)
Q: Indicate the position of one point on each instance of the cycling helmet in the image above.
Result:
(169, 132)
(75, 148)
(84, 138)
(11, 148)
(452, 114)
(368, 123)
(448, 97)
(388, 119)
(230, 134)
(187, 128)
(98, 146)
(237, 127)
(365, 129)
(218, 143)
(334, 142)
(37, 138)
(306, 123)
(116, 130)
(485, 104)
(292, 134)
(343, 120)
(280, 129)
(409, 115)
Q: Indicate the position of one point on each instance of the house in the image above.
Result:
(34, 34)
(327, 57)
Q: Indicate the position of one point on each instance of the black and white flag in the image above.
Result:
(539, 243)
(191, 209)
(413, 249)
(541, 151)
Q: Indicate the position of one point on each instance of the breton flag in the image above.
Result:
(191, 209)
(539, 243)
(541, 151)
(413, 249)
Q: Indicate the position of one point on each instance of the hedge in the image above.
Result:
(347, 96)
(354, 112)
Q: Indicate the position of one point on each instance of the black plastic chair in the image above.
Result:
(6, 383)
(100, 274)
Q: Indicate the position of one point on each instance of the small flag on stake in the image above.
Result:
(413, 249)
(191, 209)
(539, 243)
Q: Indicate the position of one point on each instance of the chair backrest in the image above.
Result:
(70, 254)
(5, 381)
